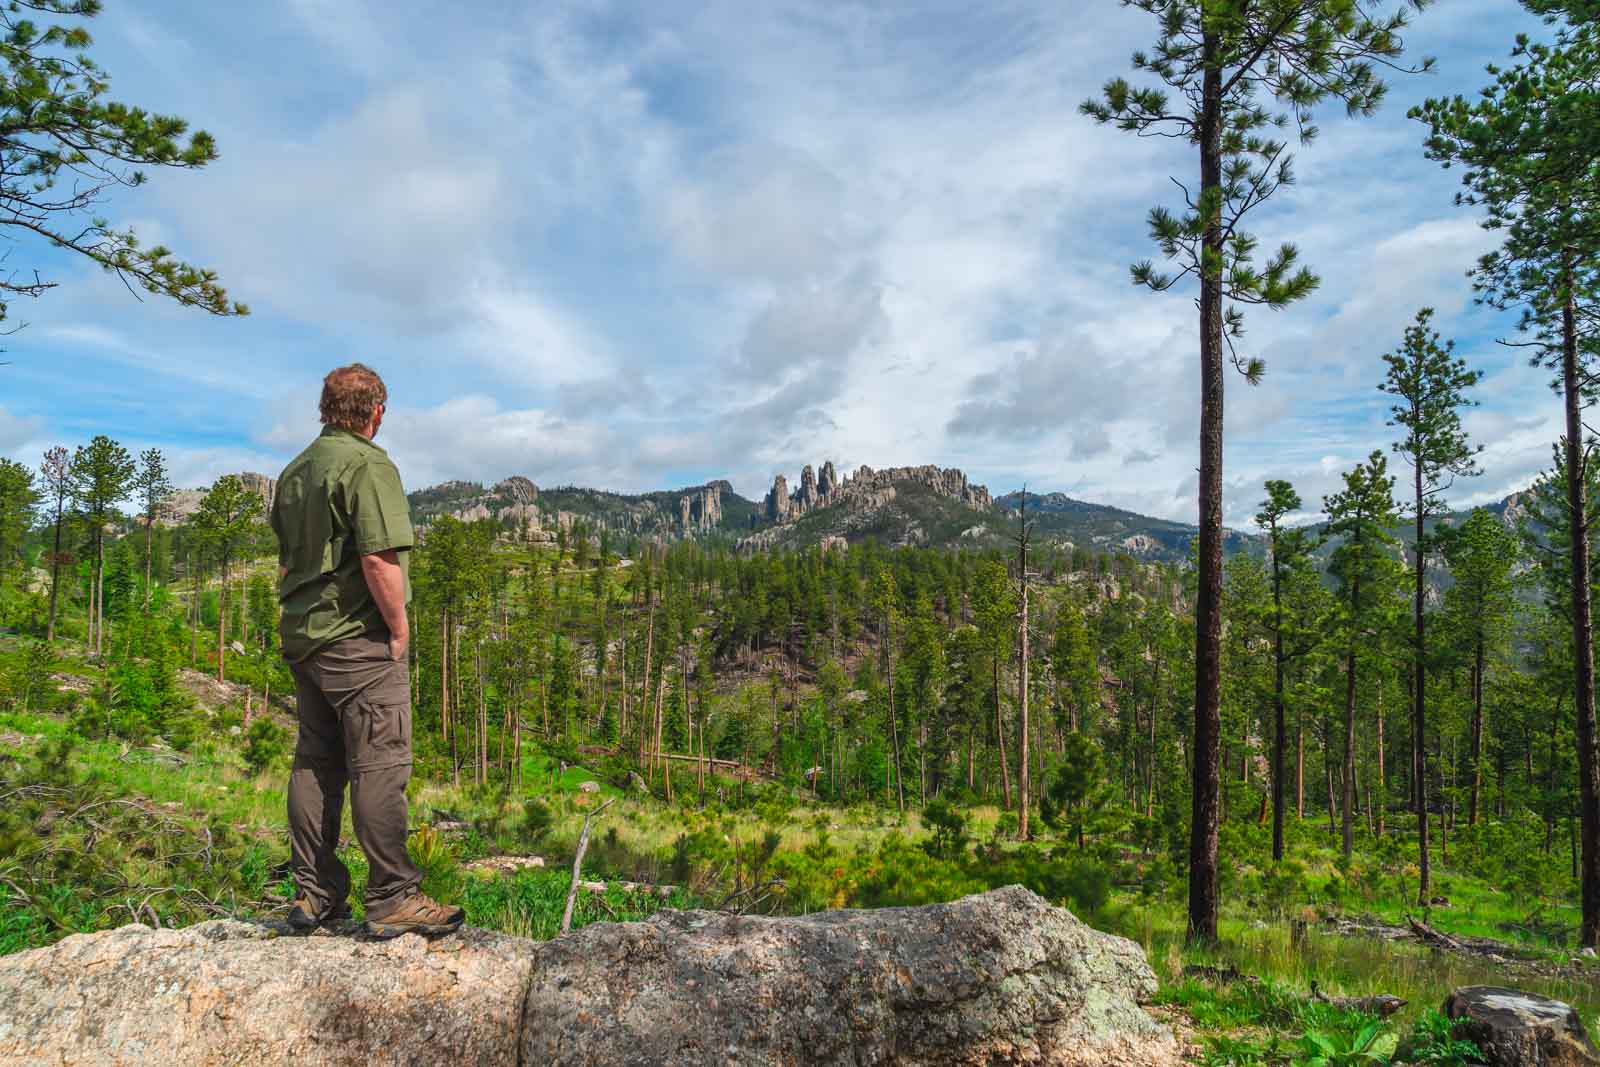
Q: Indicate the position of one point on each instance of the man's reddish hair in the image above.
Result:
(350, 395)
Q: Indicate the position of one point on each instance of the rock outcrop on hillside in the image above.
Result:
(700, 510)
(183, 503)
(1000, 978)
(867, 488)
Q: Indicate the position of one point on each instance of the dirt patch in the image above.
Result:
(504, 864)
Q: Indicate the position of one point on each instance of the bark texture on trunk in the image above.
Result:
(1202, 926)
(1419, 721)
(1582, 627)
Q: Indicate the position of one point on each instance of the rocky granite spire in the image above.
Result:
(778, 506)
(828, 480)
(807, 497)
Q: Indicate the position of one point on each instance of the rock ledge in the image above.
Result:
(1000, 978)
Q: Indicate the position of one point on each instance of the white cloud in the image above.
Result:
(17, 430)
(619, 243)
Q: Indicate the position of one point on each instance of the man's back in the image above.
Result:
(338, 500)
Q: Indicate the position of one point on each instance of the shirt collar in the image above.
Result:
(339, 431)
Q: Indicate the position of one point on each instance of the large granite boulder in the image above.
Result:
(236, 993)
(1000, 978)
(1517, 1029)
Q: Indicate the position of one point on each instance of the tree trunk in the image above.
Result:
(1419, 751)
(222, 617)
(1280, 740)
(1000, 737)
(149, 535)
(1202, 925)
(1582, 621)
(452, 651)
(55, 577)
(1350, 746)
(1477, 733)
(1383, 781)
(100, 591)
(481, 775)
(444, 674)
(894, 723)
(644, 686)
(1299, 767)
(1022, 774)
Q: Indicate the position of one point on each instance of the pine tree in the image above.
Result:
(102, 472)
(152, 487)
(1223, 58)
(1288, 550)
(1530, 144)
(1360, 516)
(1480, 553)
(60, 127)
(226, 513)
(56, 473)
(1430, 387)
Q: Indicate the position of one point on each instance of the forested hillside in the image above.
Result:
(1321, 765)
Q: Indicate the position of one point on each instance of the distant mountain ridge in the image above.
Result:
(924, 505)
(534, 513)
(1102, 527)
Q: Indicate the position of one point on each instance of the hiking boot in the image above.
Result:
(416, 914)
(303, 918)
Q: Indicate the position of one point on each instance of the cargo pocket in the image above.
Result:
(332, 553)
(382, 734)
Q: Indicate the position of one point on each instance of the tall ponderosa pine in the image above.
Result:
(1224, 59)
(1531, 146)
(1430, 386)
(102, 472)
(1289, 551)
(226, 514)
(60, 128)
(1360, 516)
(1480, 553)
(56, 474)
(152, 486)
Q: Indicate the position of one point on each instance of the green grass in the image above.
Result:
(637, 836)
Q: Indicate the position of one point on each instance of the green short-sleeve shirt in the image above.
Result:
(339, 500)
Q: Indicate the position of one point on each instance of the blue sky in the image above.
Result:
(642, 245)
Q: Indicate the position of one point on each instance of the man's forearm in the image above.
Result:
(387, 583)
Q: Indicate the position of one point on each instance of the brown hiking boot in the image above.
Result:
(303, 917)
(416, 914)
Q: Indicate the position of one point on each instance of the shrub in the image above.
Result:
(265, 745)
(949, 838)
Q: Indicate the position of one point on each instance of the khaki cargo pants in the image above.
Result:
(355, 729)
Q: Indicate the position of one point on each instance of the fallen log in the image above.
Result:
(1429, 936)
(1382, 1005)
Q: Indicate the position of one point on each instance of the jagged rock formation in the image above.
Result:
(264, 487)
(778, 505)
(1000, 978)
(866, 489)
(517, 489)
(183, 503)
(529, 511)
(700, 510)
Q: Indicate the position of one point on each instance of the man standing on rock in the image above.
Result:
(344, 547)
